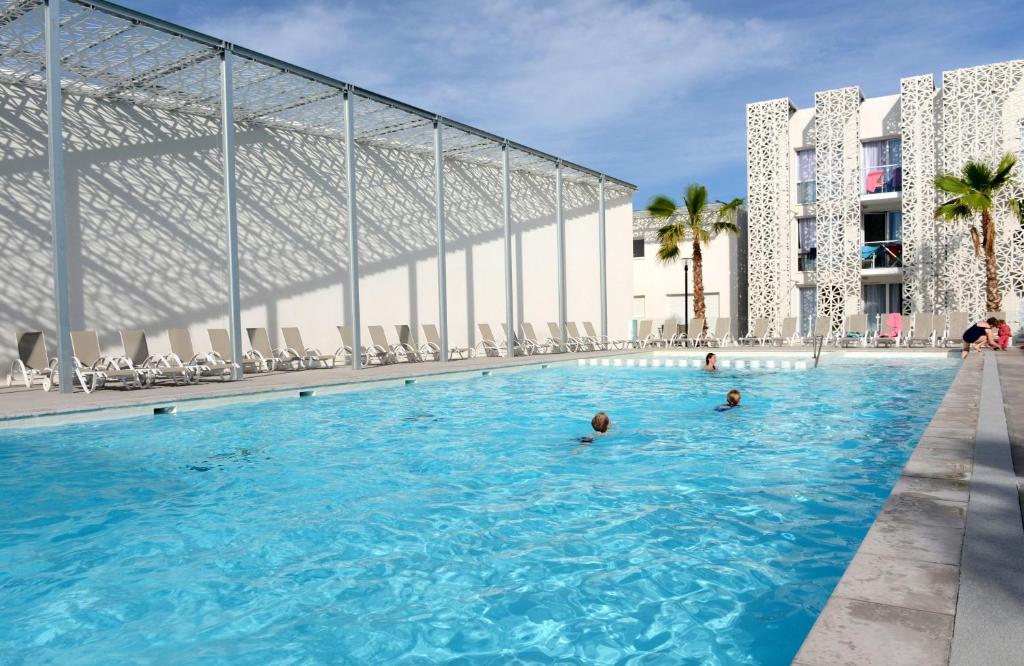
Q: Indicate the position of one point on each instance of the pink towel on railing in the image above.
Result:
(893, 325)
(874, 182)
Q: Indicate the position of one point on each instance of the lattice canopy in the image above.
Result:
(113, 53)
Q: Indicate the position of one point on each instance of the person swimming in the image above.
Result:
(600, 423)
(711, 362)
(732, 401)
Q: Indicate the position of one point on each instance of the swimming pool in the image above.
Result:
(459, 520)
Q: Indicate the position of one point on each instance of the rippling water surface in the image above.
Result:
(457, 521)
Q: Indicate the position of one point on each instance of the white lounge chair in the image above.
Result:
(159, 366)
(758, 332)
(272, 358)
(93, 370)
(890, 330)
(203, 365)
(408, 341)
(521, 346)
(392, 353)
(488, 344)
(722, 333)
(822, 329)
(958, 323)
(540, 346)
(644, 334)
(924, 330)
(695, 332)
(856, 331)
(309, 357)
(586, 342)
(433, 344)
(570, 343)
(33, 362)
(789, 335)
(603, 340)
(221, 352)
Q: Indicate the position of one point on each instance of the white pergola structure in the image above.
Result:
(101, 50)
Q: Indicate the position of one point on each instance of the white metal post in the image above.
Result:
(353, 232)
(227, 130)
(603, 257)
(442, 272)
(506, 201)
(55, 148)
(560, 227)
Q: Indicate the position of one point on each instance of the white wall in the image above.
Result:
(146, 248)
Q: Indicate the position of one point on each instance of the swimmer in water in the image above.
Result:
(732, 401)
(600, 423)
(711, 362)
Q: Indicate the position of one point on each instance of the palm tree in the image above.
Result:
(973, 193)
(697, 222)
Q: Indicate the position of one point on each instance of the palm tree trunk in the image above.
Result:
(698, 283)
(993, 299)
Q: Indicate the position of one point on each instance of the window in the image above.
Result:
(638, 248)
(883, 166)
(807, 244)
(881, 299)
(805, 171)
(808, 310)
(639, 307)
(883, 240)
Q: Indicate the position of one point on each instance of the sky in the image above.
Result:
(652, 92)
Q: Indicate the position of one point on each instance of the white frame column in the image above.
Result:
(442, 261)
(560, 230)
(506, 203)
(603, 256)
(58, 227)
(353, 231)
(230, 207)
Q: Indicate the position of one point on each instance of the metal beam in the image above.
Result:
(560, 229)
(227, 130)
(506, 201)
(55, 149)
(602, 250)
(353, 231)
(442, 263)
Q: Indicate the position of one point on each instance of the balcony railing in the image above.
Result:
(881, 254)
(883, 178)
(805, 193)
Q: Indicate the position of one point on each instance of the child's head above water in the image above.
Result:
(600, 422)
(733, 397)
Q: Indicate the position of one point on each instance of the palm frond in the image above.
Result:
(672, 233)
(977, 201)
(954, 210)
(661, 207)
(978, 175)
(1003, 171)
(724, 226)
(1017, 208)
(949, 183)
(696, 200)
(668, 252)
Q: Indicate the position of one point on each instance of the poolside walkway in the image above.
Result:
(939, 578)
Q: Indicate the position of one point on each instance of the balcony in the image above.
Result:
(884, 179)
(805, 193)
(881, 255)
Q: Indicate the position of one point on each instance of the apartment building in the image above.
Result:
(841, 198)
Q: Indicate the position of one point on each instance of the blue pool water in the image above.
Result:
(457, 522)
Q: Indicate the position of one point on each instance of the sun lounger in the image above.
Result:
(569, 344)
(586, 343)
(33, 362)
(758, 332)
(93, 370)
(822, 329)
(433, 344)
(392, 353)
(203, 365)
(924, 330)
(272, 358)
(530, 335)
(136, 351)
(720, 335)
(856, 331)
(695, 332)
(789, 335)
(346, 347)
(603, 340)
(958, 323)
(221, 352)
(644, 334)
(891, 329)
(309, 357)
(488, 343)
(521, 346)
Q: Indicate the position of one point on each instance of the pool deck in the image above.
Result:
(939, 578)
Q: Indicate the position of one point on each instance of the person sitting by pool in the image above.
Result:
(600, 423)
(980, 333)
(711, 362)
(732, 401)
